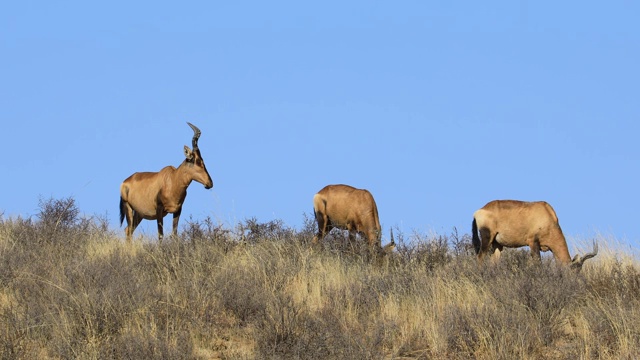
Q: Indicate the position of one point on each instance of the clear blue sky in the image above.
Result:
(436, 107)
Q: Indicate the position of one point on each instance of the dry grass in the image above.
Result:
(71, 288)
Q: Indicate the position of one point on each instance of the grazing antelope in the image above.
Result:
(347, 208)
(152, 195)
(512, 224)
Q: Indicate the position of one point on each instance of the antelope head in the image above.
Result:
(388, 249)
(198, 171)
(578, 260)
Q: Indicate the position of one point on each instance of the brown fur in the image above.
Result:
(512, 224)
(152, 195)
(347, 208)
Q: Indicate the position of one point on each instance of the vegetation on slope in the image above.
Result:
(72, 288)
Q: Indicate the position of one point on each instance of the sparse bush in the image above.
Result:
(206, 231)
(309, 228)
(253, 231)
(432, 252)
(58, 213)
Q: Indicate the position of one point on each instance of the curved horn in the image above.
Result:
(196, 135)
(591, 254)
(578, 260)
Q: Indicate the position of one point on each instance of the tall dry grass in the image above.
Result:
(71, 288)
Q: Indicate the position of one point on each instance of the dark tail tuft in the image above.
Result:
(122, 210)
(475, 239)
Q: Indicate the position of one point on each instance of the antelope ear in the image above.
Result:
(188, 153)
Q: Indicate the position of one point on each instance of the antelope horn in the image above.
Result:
(578, 260)
(196, 135)
(392, 242)
(591, 254)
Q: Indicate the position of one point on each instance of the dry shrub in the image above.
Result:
(142, 345)
(252, 231)
(337, 330)
(431, 252)
(241, 292)
(207, 232)
(610, 310)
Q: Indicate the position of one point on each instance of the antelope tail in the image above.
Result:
(122, 210)
(475, 239)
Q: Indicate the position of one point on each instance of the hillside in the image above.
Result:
(72, 288)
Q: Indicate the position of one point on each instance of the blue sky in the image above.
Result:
(435, 107)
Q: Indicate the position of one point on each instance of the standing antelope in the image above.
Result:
(152, 195)
(511, 223)
(348, 208)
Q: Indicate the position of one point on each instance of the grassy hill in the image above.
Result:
(72, 288)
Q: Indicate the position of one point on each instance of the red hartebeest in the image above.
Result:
(347, 208)
(152, 195)
(511, 223)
